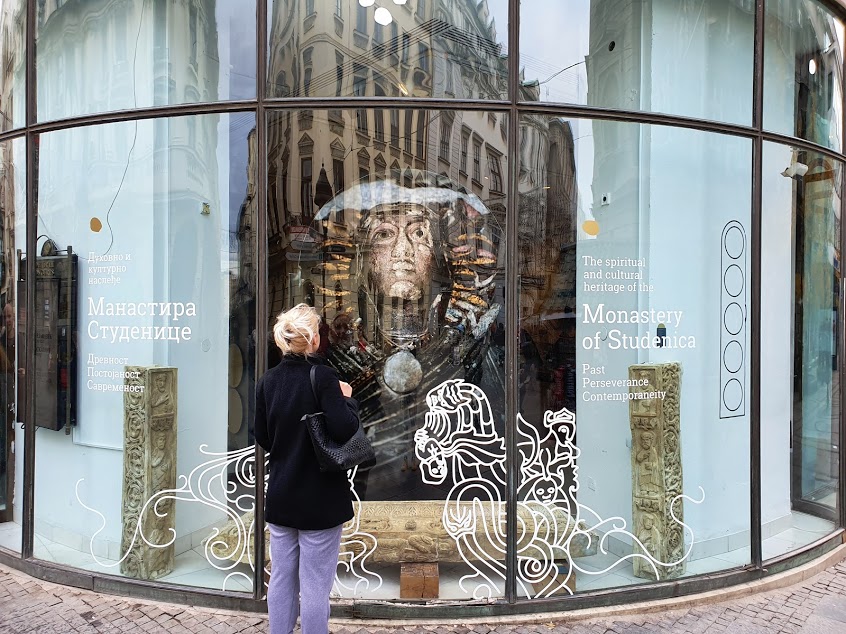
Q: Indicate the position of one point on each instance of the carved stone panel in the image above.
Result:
(413, 532)
(149, 468)
(656, 468)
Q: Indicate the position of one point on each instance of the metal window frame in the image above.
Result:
(513, 109)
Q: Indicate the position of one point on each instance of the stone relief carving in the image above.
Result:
(657, 471)
(149, 468)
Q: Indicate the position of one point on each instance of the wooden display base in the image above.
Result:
(419, 581)
(563, 568)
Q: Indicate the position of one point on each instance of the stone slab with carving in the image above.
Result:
(149, 467)
(657, 469)
(413, 532)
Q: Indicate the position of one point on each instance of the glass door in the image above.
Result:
(816, 319)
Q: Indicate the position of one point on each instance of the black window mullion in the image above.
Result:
(29, 329)
(512, 294)
(260, 249)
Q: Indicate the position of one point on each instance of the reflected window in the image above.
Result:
(339, 74)
(423, 59)
(409, 130)
(421, 133)
(496, 174)
(446, 137)
(406, 45)
(395, 127)
(192, 34)
(477, 160)
(465, 142)
(307, 81)
(306, 194)
(361, 19)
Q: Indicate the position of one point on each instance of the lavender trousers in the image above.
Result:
(301, 578)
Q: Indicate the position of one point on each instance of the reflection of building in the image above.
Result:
(157, 53)
(343, 52)
(434, 48)
(12, 32)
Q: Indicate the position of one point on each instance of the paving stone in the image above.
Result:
(30, 606)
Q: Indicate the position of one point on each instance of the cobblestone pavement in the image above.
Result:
(27, 605)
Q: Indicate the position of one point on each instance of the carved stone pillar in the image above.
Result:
(656, 468)
(149, 467)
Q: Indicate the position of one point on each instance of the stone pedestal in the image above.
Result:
(419, 581)
(656, 468)
(149, 467)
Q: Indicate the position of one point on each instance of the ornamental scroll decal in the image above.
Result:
(210, 484)
(458, 440)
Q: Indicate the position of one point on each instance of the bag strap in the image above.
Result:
(314, 384)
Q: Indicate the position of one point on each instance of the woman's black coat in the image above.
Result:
(299, 495)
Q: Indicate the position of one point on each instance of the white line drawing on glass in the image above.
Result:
(224, 548)
(458, 440)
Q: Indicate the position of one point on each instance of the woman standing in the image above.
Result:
(305, 508)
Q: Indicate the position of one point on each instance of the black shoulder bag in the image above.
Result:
(331, 455)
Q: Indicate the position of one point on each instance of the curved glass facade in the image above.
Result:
(581, 266)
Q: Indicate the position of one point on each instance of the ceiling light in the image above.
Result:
(400, 1)
(366, 3)
(383, 16)
(812, 66)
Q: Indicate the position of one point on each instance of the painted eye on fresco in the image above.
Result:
(384, 233)
(418, 232)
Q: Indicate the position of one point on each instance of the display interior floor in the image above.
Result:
(192, 568)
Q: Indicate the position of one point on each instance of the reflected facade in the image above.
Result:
(428, 48)
(578, 370)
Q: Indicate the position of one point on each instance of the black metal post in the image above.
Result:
(260, 249)
(29, 327)
(512, 303)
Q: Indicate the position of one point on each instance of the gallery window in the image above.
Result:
(607, 387)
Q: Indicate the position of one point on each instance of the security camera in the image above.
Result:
(795, 169)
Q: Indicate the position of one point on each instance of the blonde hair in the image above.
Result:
(295, 329)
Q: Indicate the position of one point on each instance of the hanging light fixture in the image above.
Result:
(400, 1)
(383, 16)
(366, 3)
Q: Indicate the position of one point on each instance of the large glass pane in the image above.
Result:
(634, 413)
(404, 48)
(800, 383)
(402, 252)
(12, 238)
(106, 55)
(683, 57)
(13, 75)
(803, 71)
(144, 358)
